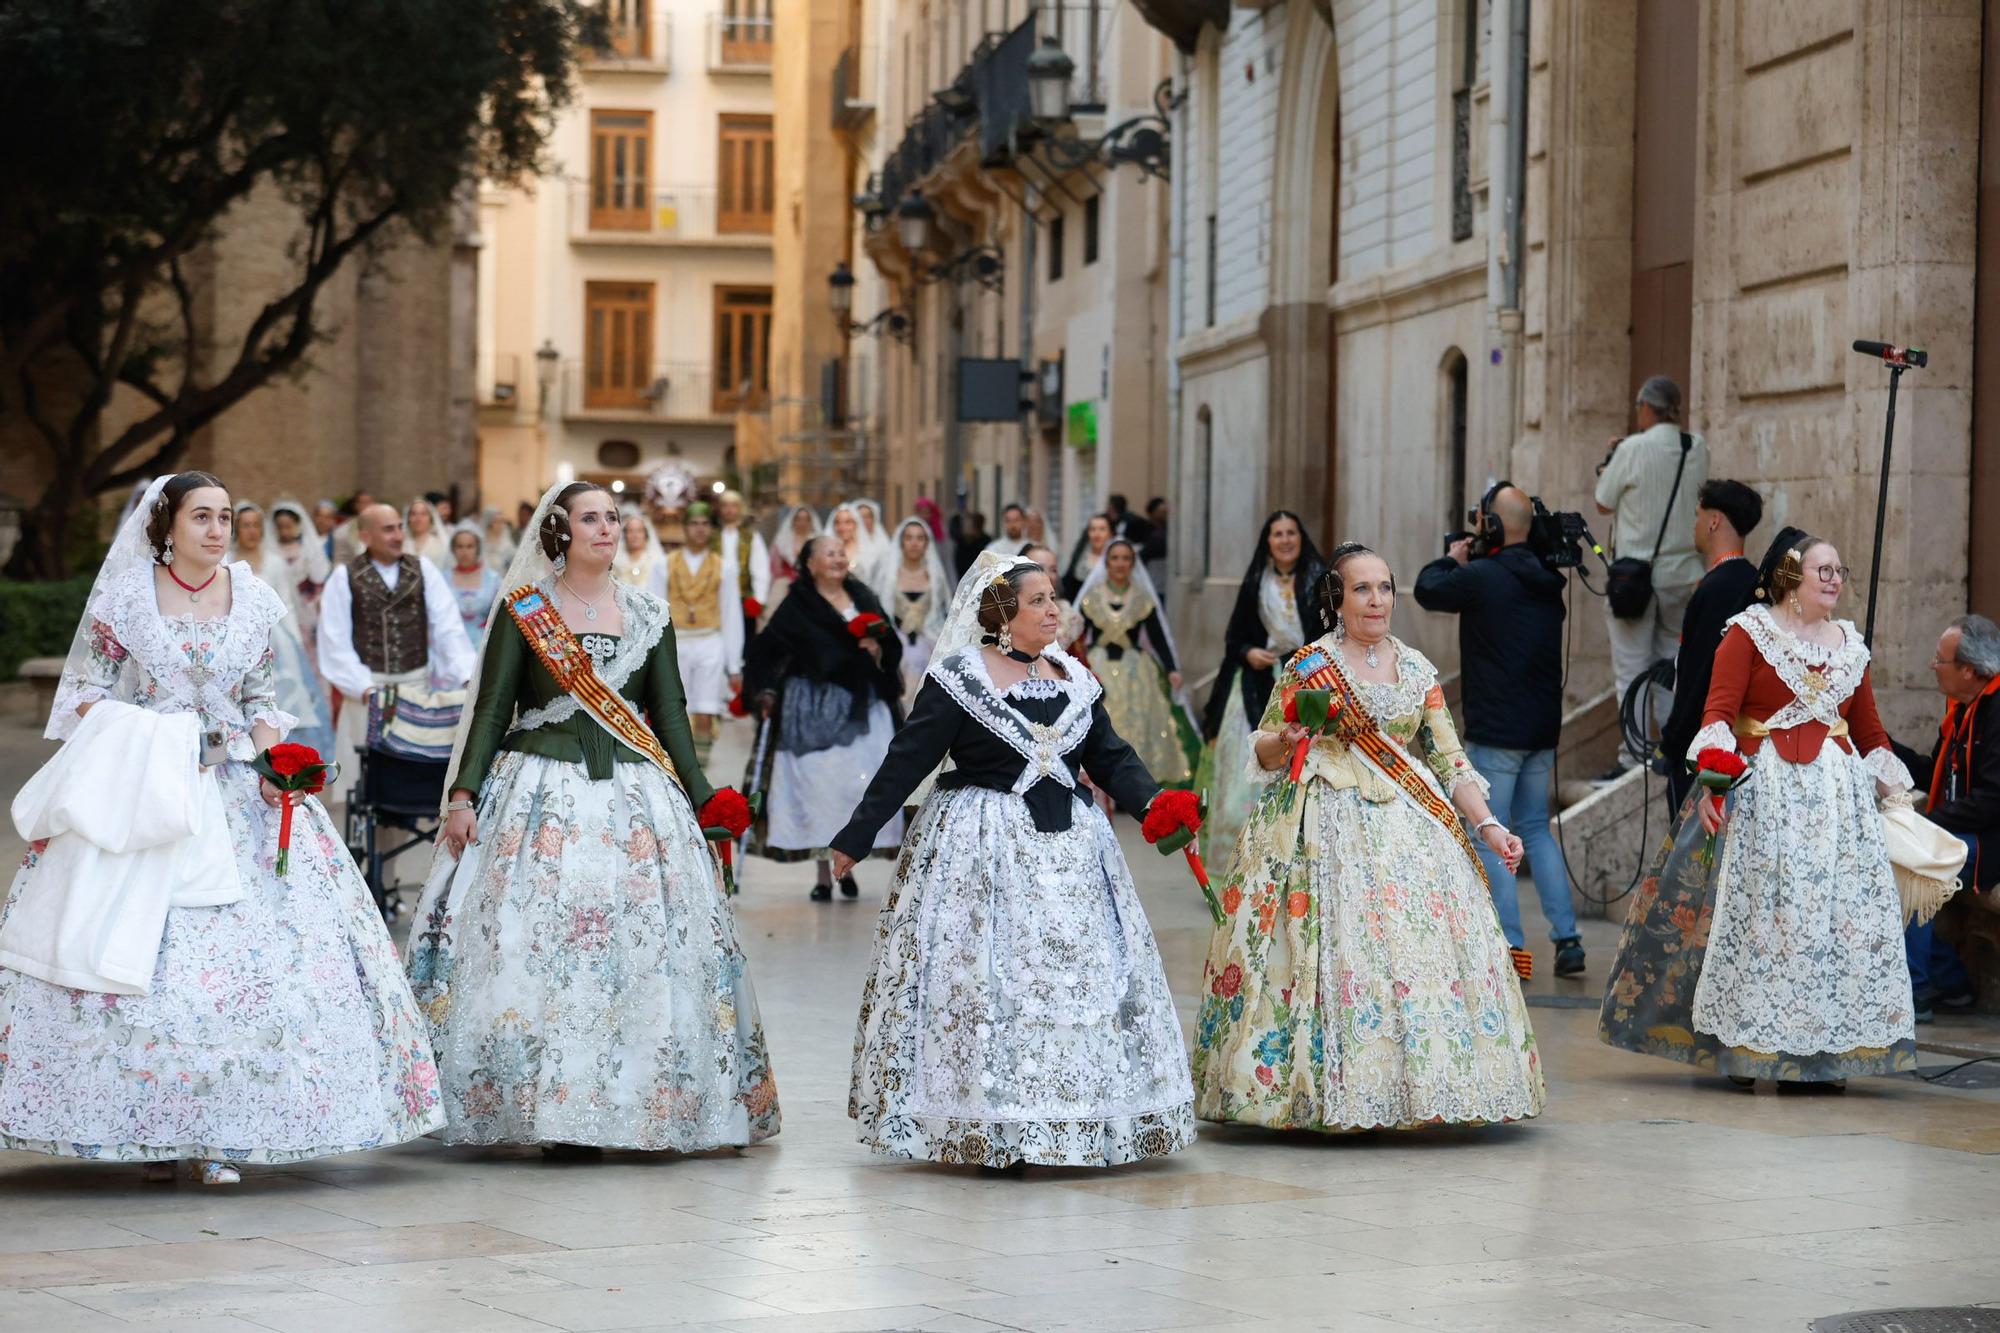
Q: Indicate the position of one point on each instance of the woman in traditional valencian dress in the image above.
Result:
(797, 527)
(573, 948)
(917, 594)
(1132, 652)
(1777, 952)
(299, 691)
(1360, 979)
(642, 561)
(475, 585)
(875, 536)
(276, 1027)
(1086, 555)
(832, 701)
(863, 552)
(1016, 1009)
(1275, 615)
(297, 569)
(1071, 632)
(426, 534)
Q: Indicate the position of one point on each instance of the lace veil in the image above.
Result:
(1101, 573)
(890, 566)
(961, 627)
(130, 550)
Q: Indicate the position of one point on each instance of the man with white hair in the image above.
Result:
(1961, 776)
(387, 619)
(746, 560)
(1650, 483)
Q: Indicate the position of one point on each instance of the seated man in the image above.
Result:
(1962, 779)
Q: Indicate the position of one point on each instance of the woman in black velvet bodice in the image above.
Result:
(1016, 1010)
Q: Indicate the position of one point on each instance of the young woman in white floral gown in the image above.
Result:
(1016, 1009)
(1360, 979)
(277, 1028)
(573, 949)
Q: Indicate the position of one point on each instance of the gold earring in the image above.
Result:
(1797, 610)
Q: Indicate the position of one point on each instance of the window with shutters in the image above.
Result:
(742, 347)
(630, 28)
(617, 344)
(620, 170)
(746, 176)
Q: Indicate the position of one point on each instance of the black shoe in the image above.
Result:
(1925, 1014)
(572, 1152)
(1929, 999)
(1569, 957)
(1743, 1082)
(822, 893)
(848, 888)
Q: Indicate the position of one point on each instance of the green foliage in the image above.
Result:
(38, 620)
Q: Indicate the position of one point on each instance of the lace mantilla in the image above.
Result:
(135, 638)
(1820, 680)
(646, 619)
(964, 677)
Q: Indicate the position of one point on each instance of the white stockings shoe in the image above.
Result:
(214, 1173)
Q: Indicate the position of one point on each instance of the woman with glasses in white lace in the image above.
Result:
(1016, 1010)
(1776, 950)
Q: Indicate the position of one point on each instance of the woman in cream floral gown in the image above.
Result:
(1360, 979)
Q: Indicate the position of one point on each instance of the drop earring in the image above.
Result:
(167, 551)
(1006, 638)
(1797, 610)
(561, 563)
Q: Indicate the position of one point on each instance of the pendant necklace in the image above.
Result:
(589, 607)
(1033, 661)
(1368, 653)
(193, 590)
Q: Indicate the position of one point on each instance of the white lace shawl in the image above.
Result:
(646, 619)
(1821, 680)
(1280, 614)
(140, 663)
(963, 675)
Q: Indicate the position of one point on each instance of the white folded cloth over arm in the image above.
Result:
(91, 915)
(1926, 858)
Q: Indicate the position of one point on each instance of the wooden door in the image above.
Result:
(742, 347)
(1663, 148)
(746, 176)
(620, 170)
(617, 344)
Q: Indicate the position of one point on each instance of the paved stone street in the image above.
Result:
(1646, 1198)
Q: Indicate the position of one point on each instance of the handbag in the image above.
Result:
(414, 721)
(1628, 585)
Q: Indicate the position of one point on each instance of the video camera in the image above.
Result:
(1557, 537)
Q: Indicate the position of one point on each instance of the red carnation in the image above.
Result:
(1724, 763)
(1169, 813)
(737, 708)
(1291, 706)
(727, 810)
(752, 608)
(290, 760)
(865, 624)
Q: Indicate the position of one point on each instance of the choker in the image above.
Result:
(1020, 656)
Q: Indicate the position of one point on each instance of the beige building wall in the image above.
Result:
(669, 228)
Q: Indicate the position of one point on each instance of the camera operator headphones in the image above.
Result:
(1489, 536)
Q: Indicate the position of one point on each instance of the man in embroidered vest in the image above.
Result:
(387, 618)
(745, 557)
(708, 626)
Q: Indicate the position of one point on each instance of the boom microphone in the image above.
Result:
(1915, 357)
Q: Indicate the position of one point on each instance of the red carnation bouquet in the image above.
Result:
(752, 608)
(725, 817)
(1720, 771)
(1315, 710)
(1172, 820)
(295, 770)
(737, 708)
(868, 625)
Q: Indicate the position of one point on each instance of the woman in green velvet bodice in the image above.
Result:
(573, 950)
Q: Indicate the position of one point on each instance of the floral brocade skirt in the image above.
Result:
(581, 972)
(1016, 1009)
(1360, 979)
(278, 1028)
(1779, 954)
(1143, 711)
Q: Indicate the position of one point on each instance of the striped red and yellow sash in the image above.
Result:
(567, 661)
(1357, 728)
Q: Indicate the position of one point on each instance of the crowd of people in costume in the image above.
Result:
(981, 708)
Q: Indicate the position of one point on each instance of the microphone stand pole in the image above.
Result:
(1882, 500)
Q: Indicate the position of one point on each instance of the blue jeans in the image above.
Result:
(1520, 799)
(1934, 965)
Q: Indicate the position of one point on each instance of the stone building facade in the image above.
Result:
(1730, 193)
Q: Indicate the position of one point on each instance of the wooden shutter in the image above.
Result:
(746, 176)
(621, 145)
(742, 346)
(746, 32)
(631, 27)
(617, 344)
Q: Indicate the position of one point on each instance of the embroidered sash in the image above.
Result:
(1356, 727)
(568, 662)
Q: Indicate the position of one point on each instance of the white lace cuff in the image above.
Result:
(1716, 735)
(64, 721)
(1255, 771)
(273, 717)
(1888, 769)
(1478, 781)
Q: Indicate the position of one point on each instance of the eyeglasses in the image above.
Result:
(1833, 573)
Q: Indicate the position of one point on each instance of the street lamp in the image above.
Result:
(1049, 73)
(840, 295)
(913, 222)
(840, 290)
(547, 361)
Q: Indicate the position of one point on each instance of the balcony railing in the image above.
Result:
(740, 41)
(670, 391)
(498, 376)
(854, 88)
(1084, 28)
(619, 212)
(639, 38)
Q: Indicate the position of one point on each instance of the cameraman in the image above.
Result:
(1510, 641)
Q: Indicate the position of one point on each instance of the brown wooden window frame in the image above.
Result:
(618, 344)
(621, 170)
(746, 188)
(742, 320)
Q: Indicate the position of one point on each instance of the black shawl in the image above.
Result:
(807, 637)
(1246, 628)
